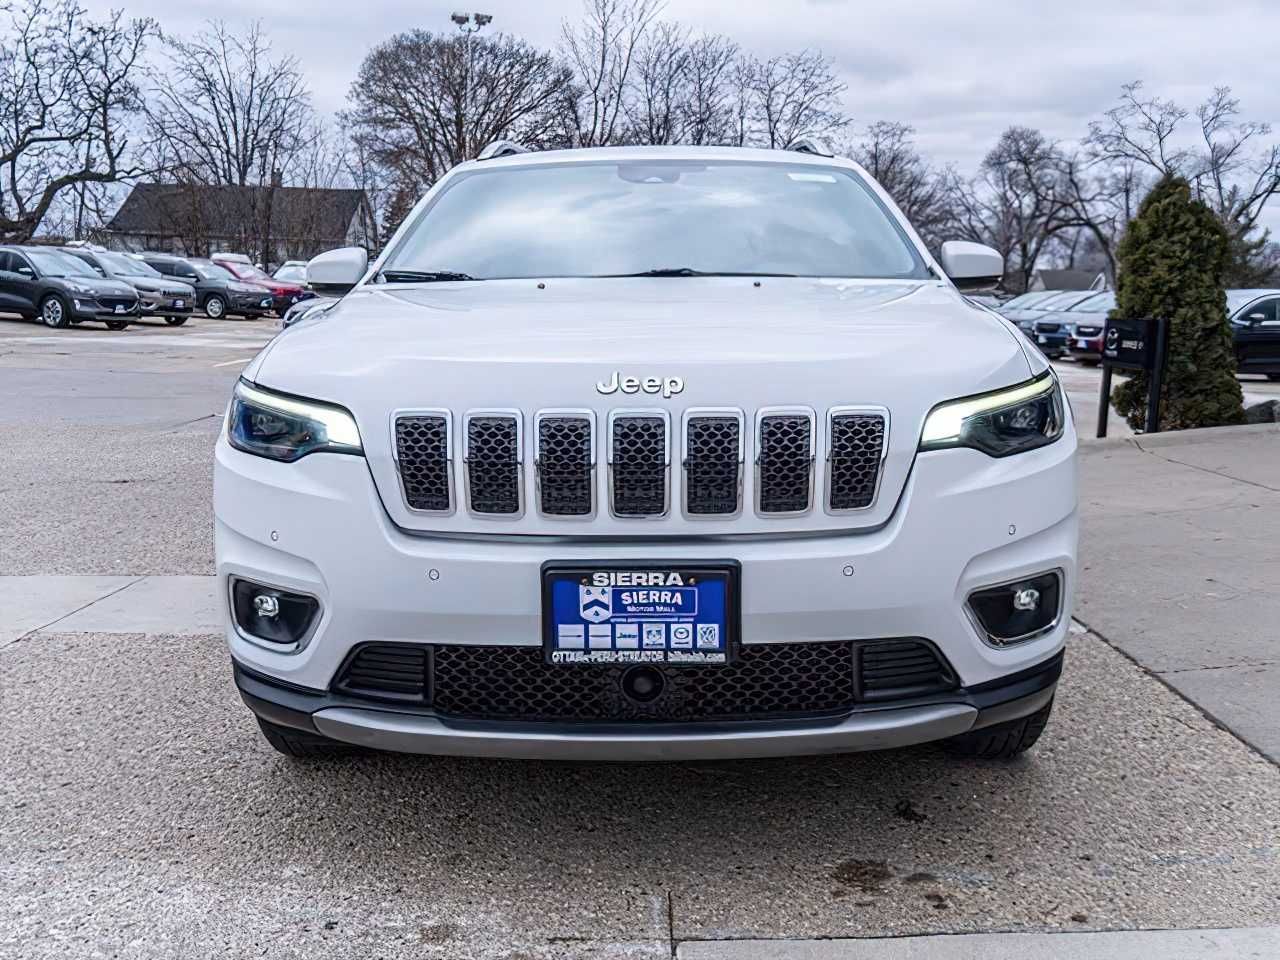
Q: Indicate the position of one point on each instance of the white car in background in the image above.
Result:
(649, 453)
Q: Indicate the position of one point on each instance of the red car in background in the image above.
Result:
(283, 294)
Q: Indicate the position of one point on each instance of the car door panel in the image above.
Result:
(1257, 337)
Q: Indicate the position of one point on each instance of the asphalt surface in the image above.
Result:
(142, 816)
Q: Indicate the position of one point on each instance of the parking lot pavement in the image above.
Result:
(144, 817)
(1180, 563)
(150, 374)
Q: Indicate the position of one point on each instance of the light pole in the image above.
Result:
(468, 23)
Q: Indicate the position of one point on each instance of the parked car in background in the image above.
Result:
(1021, 309)
(292, 271)
(991, 301)
(1088, 320)
(218, 293)
(57, 289)
(1051, 328)
(161, 296)
(283, 294)
(1255, 330)
(306, 308)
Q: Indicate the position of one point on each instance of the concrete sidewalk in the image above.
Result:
(1180, 563)
(1261, 943)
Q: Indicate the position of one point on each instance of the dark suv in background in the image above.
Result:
(218, 293)
(46, 284)
(161, 296)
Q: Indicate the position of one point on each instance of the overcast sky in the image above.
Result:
(958, 70)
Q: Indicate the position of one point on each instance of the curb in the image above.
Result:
(1175, 438)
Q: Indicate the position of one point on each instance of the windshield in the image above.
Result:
(212, 271)
(292, 274)
(633, 217)
(1098, 303)
(51, 263)
(246, 272)
(127, 266)
(1064, 299)
(1027, 299)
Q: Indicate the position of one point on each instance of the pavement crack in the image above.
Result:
(671, 924)
(70, 613)
(1217, 666)
(1161, 679)
(1137, 441)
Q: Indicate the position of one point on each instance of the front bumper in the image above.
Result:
(249, 304)
(963, 521)
(282, 302)
(1085, 348)
(87, 308)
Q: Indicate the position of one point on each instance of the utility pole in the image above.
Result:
(468, 23)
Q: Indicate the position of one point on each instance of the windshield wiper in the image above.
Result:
(691, 272)
(421, 276)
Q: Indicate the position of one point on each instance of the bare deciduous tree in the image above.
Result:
(789, 97)
(408, 102)
(602, 51)
(68, 89)
(887, 151)
(225, 111)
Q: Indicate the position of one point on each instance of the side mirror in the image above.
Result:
(26, 271)
(1256, 318)
(972, 266)
(335, 272)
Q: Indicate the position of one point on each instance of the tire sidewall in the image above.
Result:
(64, 314)
(222, 306)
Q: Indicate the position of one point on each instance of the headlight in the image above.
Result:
(1000, 423)
(288, 428)
(82, 290)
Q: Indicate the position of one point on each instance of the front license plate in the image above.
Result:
(1082, 344)
(641, 613)
(119, 309)
(1042, 339)
(179, 304)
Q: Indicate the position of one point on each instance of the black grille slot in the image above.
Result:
(639, 466)
(564, 466)
(493, 464)
(422, 453)
(766, 681)
(712, 467)
(385, 671)
(112, 302)
(897, 669)
(785, 463)
(857, 443)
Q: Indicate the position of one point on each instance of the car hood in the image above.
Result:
(100, 285)
(734, 342)
(244, 286)
(160, 285)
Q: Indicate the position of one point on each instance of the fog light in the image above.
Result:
(272, 615)
(1027, 599)
(1019, 611)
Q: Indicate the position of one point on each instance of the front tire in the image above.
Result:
(117, 324)
(1001, 741)
(175, 321)
(215, 307)
(54, 312)
(300, 745)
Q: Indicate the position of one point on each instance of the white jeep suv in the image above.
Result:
(651, 453)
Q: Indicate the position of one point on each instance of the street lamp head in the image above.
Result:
(483, 19)
(461, 19)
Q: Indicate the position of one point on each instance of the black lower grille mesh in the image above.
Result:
(515, 683)
(768, 681)
(564, 466)
(493, 464)
(712, 466)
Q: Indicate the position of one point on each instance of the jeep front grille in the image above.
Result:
(639, 457)
(856, 446)
(493, 460)
(711, 445)
(566, 464)
(785, 463)
(423, 458)
(712, 464)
